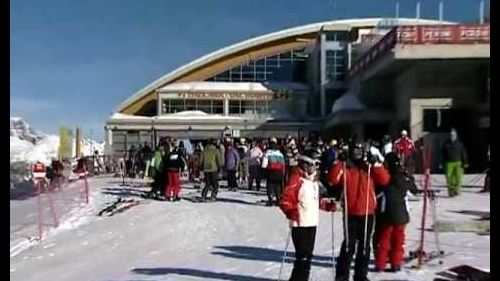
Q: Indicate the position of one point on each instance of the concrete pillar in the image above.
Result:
(226, 107)
(416, 121)
(78, 144)
(109, 138)
(322, 72)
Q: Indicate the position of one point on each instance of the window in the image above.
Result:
(191, 105)
(262, 107)
(218, 107)
(205, 106)
(234, 107)
(248, 107)
(264, 68)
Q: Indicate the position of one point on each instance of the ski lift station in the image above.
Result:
(366, 77)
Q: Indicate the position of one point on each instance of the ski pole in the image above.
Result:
(333, 244)
(284, 252)
(345, 210)
(366, 209)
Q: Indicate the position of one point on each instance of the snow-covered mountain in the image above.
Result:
(30, 145)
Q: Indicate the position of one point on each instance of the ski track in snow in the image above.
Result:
(232, 239)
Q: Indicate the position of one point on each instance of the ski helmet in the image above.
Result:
(310, 160)
(356, 152)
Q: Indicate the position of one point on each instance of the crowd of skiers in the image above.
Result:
(368, 181)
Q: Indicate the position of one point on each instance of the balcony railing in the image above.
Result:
(423, 34)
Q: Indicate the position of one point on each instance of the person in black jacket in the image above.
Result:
(393, 216)
(174, 165)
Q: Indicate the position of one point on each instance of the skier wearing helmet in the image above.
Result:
(405, 148)
(357, 177)
(301, 201)
(393, 216)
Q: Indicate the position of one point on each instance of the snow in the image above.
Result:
(215, 87)
(195, 115)
(121, 116)
(232, 239)
(28, 145)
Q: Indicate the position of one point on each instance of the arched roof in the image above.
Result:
(272, 42)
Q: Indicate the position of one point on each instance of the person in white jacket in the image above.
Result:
(254, 156)
(301, 203)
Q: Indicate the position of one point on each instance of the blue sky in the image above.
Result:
(73, 62)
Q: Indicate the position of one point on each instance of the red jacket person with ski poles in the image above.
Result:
(301, 202)
(358, 177)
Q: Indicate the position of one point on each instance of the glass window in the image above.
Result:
(234, 107)
(248, 107)
(262, 107)
(218, 107)
(190, 104)
(264, 69)
(205, 106)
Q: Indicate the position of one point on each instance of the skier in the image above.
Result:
(210, 164)
(393, 216)
(157, 174)
(146, 158)
(174, 165)
(243, 163)
(274, 163)
(194, 164)
(292, 162)
(232, 161)
(405, 148)
(358, 179)
(301, 201)
(486, 187)
(254, 156)
(454, 158)
(375, 151)
(387, 145)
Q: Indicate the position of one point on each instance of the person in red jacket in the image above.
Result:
(357, 178)
(301, 202)
(405, 148)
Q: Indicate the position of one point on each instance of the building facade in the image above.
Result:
(282, 83)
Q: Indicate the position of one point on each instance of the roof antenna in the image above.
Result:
(481, 12)
(418, 10)
(332, 3)
(441, 11)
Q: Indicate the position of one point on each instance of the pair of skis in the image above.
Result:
(119, 206)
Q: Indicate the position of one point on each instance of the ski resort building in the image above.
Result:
(338, 78)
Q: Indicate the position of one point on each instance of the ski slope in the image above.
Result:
(232, 239)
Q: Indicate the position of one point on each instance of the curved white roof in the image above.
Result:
(214, 86)
(304, 29)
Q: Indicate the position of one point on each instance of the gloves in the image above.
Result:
(372, 159)
(328, 205)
